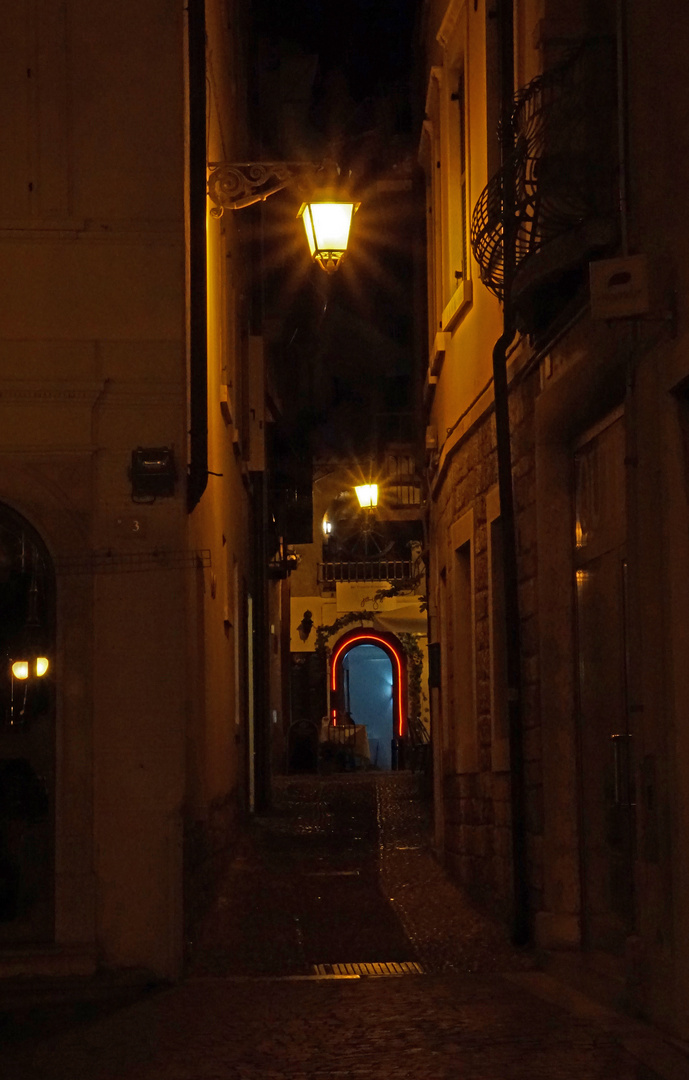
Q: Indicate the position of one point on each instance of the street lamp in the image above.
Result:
(327, 226)
(327, 213)
(367, 494)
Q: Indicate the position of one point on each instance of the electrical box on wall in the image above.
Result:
(619, 287)
(152, 472)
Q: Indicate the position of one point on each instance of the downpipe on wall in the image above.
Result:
(520, 890)
(520, 885)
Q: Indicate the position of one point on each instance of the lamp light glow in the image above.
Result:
(327, 226)
(20, 669)
(367, 494)
(42, 665)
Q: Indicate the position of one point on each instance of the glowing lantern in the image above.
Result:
(367, 494)
(327, 226)
(21, 669)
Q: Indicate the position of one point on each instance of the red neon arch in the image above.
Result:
(370, 636)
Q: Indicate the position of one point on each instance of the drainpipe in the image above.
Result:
(198, 345)
(520, 914)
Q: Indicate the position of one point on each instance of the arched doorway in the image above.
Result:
(367, 689)
(27, 733)
(368, 681)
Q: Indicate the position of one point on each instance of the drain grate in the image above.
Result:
(369, 971)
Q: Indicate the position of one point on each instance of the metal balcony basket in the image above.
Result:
(563, 166)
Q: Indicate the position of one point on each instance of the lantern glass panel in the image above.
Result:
(367, 494)
(331, 225)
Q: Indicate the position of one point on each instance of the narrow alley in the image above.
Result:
(338, 947)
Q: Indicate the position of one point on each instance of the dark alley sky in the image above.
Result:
(370, 39)
(359, 343)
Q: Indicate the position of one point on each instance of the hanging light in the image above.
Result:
(367, 494)
(327, 225)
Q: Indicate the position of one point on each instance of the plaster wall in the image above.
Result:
(216, 643)
(92, 364)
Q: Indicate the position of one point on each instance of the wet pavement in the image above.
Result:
(340, 874)
(341, 871)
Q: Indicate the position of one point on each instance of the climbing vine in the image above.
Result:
(409, 643)
(324, 633)
(414, 653)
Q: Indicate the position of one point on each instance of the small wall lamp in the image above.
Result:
(21, 669)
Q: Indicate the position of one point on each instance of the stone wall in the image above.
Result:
(477, 803)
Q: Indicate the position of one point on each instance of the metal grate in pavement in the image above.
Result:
(372, 971)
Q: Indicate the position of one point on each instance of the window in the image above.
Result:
(403, 487)
(454, 84)
(459, 260)
(434, 209)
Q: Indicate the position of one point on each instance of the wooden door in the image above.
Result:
(605, 734)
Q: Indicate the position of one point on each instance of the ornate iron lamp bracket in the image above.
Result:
(234, 185)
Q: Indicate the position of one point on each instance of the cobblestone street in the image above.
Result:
(340, 874)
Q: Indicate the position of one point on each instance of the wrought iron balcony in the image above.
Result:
(564, 174)
(402, 572)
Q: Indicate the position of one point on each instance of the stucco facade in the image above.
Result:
(149, 660)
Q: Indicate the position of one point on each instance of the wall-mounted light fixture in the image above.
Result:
(327, 212)
(38, 666)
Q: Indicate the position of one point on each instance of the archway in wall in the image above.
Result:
(368, 678)
(27, 733)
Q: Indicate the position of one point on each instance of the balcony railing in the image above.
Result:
(563, 169)
(397, 571)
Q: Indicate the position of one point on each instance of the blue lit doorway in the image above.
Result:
(368, 697)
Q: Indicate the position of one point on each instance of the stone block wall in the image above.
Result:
(476, 804)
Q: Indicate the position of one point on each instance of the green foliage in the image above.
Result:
(323, 633)
(414, 653)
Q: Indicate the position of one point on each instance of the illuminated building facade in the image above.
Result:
(557, 254)
(131, 466)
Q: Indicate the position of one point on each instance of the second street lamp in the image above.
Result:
(367, 494)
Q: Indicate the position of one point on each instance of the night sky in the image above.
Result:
(370, 39)
(352, 332)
